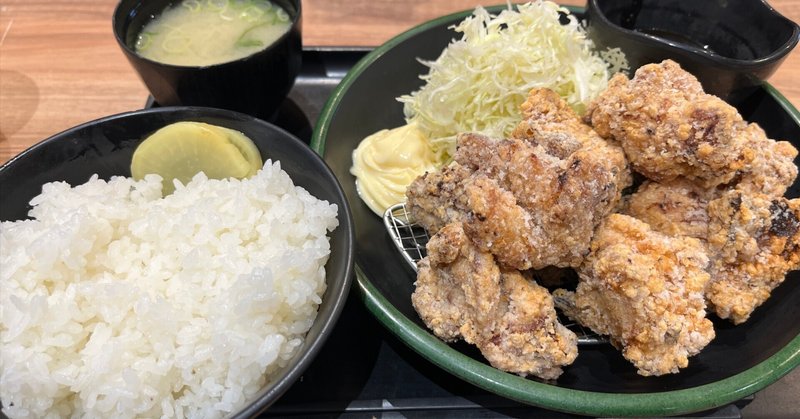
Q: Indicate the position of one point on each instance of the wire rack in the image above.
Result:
(410, 240)
(408, 237)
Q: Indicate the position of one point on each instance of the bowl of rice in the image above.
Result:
(116, 301)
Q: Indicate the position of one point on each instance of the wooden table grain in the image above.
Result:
(60, 66)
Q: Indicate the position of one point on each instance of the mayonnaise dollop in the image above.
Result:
(386, 162)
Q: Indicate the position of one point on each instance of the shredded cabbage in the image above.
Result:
(479, 81)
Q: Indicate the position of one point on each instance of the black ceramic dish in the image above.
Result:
(256, 84)
(739, 362)
(731, 46)
(105, 147)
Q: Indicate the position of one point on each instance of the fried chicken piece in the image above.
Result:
(461, 292)
(490, 214)
(438, 198)
(678, 207)
(644, 290)
(756, 242)
(674, 208)
(550, 122)
(773, 170)
(669, 127)
(545, 106)
(751, 238)
(527, 337)
(524, 169)
(565, 197)
(496, 224)
(532, 202)
(457, 288)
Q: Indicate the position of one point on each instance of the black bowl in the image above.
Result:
(731, 46)
(256, 84)
(740, 361)
(106, 146)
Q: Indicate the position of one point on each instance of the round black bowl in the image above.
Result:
(731, 46)
(740, 361)
(106, 146)
(256, 84)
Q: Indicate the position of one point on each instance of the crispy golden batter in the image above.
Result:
(545, 106)
(490, 214)
(551, 123)
(527, 337)
(555, 186)
(645, 290)
(457, 286)
(565, 197)
(437, 198)
(756, 241)
(504, 161)
(462, 293)
(675, 208)
(496, 224)
(669, 127)
(772, 170)
(750, 238)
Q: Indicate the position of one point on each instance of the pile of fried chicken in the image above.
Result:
(708, 229)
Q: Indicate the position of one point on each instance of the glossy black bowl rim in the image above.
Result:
(532, 392)
(698, 53)
(346, 223)
(295, 21)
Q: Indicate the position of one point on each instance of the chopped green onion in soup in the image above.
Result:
(208, 32)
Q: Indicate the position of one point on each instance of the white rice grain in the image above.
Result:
(116, 302)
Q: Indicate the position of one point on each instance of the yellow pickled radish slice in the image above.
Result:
(183, 149)
(245, 146)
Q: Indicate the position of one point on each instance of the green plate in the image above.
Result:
(740, 361)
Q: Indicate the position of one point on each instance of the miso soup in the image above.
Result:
(207, 32)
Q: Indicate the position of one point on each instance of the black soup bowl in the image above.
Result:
(256, 84)
(730, 46)
(105, 147)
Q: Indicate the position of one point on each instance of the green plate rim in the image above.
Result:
(527, 391)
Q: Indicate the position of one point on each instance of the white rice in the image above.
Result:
(115, 302)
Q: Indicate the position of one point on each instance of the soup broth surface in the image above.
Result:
(208, 32)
